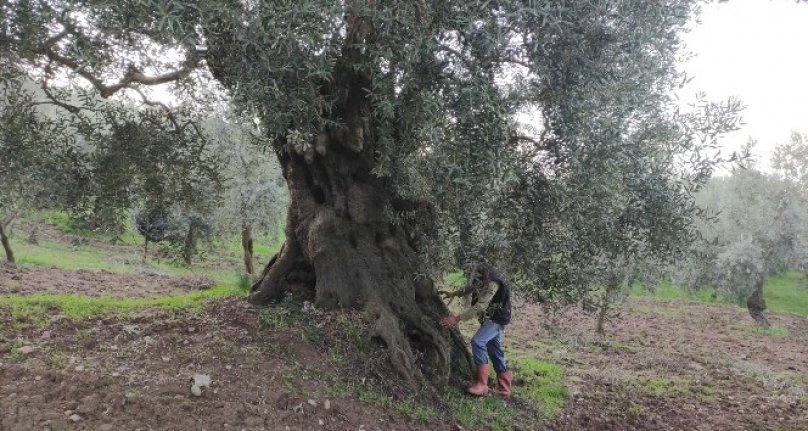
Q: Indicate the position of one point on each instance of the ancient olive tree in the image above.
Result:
(397, 127)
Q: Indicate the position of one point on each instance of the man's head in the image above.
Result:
(483, 271)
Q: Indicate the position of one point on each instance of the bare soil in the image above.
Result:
(674, 365)
(137, 374)
(24, 280)
(666, 365)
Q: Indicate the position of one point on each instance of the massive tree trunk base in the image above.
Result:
(405, 310)
(341, 253)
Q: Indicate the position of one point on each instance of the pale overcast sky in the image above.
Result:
(756, 50)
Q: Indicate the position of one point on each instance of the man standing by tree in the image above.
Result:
(491, 304)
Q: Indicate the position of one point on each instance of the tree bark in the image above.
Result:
(606, 304)
(33, 236)
(247, 245)
(757, 305)
(189, 247)
(145, 248)
(4, 239)
(341, 252)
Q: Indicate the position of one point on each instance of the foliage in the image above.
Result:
(37, 166)
(254, 192)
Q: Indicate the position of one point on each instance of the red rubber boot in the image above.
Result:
(504, 380)
(480, 387)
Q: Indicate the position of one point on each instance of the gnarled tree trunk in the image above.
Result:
(6, 244)
(757, 305)
(247, 246)
(340, 248)
(342, 251)
(189, 246)
(4, 224)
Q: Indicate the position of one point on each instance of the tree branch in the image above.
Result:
(132, 76)
(55, 100)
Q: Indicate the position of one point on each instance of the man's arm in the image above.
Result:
(482, 303)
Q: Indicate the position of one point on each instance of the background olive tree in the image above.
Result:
(759, 228)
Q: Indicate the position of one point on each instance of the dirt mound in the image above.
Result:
(137, 374)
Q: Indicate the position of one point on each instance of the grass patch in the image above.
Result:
(483, 413)
(787, 292)
(58, 255)
(542, 384)
(262, 246)
(664, 290)
(454, 279)
(39, 307)
(274, 318)
(773, 331)
(65, 224)
(57, 360)
(664, 386)
(408, 407)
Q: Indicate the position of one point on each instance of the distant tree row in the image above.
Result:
(759, 227)
(178, 177)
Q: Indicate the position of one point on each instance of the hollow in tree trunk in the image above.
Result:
(247, 245)
(757, 305)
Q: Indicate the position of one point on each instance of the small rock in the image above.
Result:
(27, 350)
(191, 329)
(38, 378)
(312, 402)
(228, 367)
(320, 421)
(75, 418)
(165, 359)
(327, 404)
(46, 334)
(200, 381)
(79, 368)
